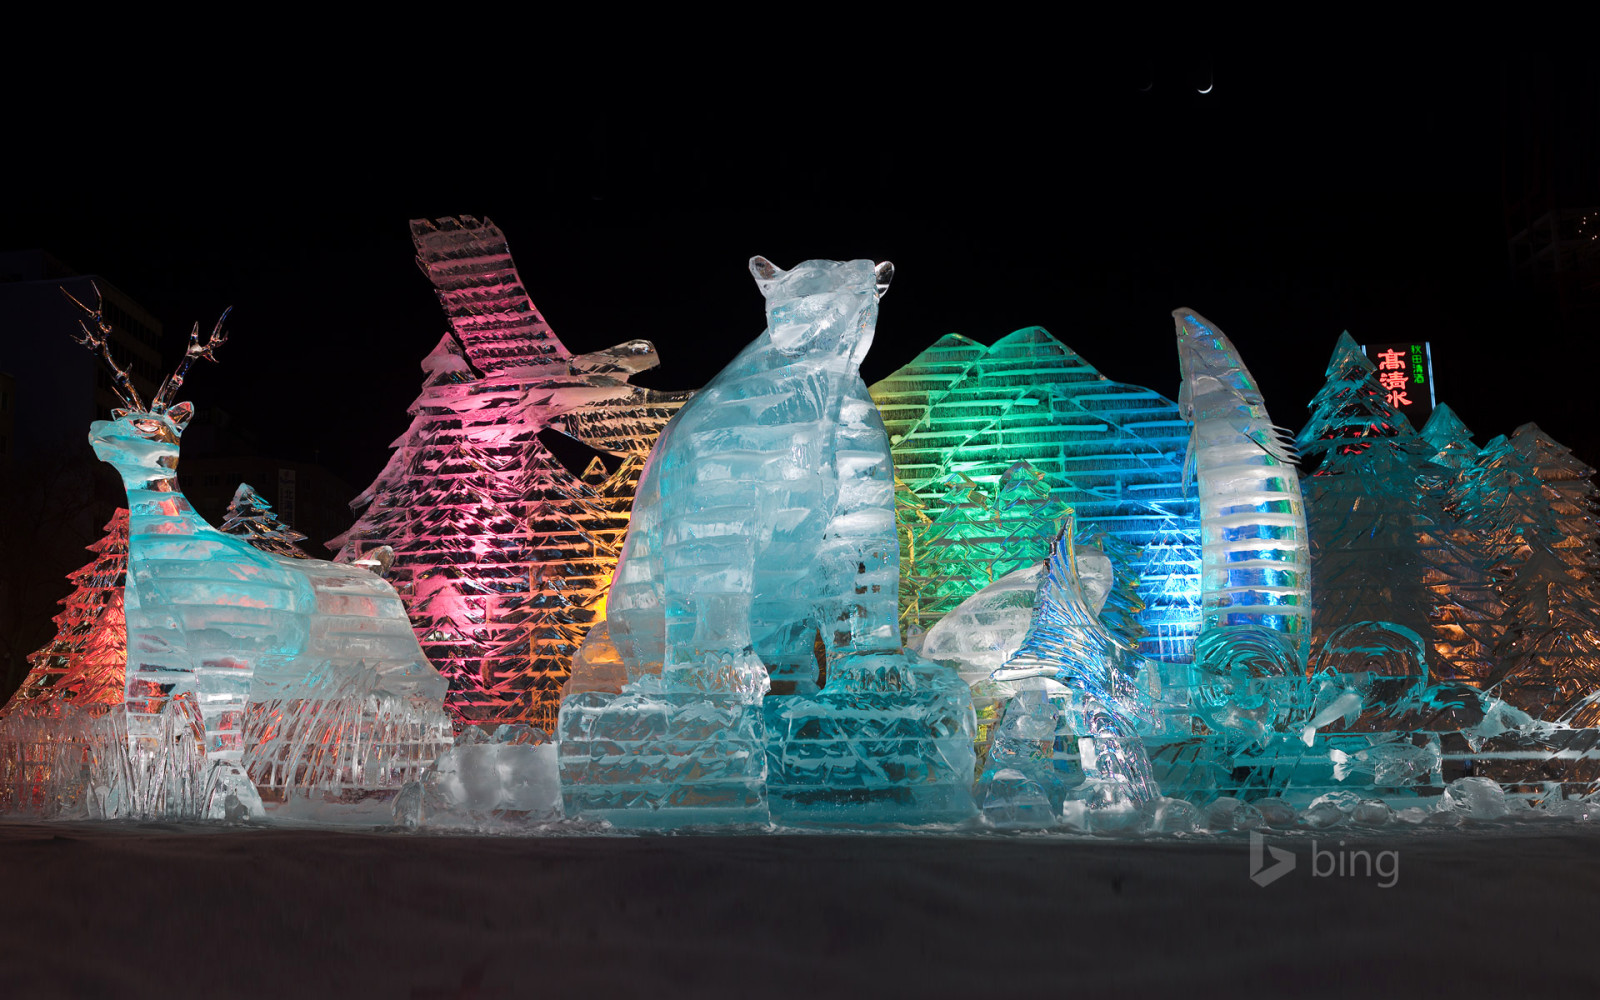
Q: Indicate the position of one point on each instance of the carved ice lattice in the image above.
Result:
(501, 554)
(1112, 452)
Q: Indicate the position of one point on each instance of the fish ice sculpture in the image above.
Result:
(1255, 560)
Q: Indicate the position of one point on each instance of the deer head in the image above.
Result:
(141, 442)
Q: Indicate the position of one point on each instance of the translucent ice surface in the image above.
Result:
(992, 442)
(217, 629)
(988, 627)
(1107, 704)
(762, 555)
(1255, 561)
(502, 514)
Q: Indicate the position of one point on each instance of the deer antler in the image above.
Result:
(174, 382)
(99, 339)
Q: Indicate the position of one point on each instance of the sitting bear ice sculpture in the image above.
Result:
(763, 532)
(766, 513)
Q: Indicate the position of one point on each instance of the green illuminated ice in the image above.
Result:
(994, 445)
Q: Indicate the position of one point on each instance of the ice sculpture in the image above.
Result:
(217, 624)
(1451, 439)
(1103, 701)
(501, 553)
(1249, 681)
(963, 413)
(47, 729)
(491, 780)
(1382, 545)
(986, 629)
(1255, 565)
(84, 665)
(1534, 504)
(762, 553)
(253, 519)
(1351, 412)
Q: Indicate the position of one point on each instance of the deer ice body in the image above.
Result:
(765, 514)
(210, 614)
(212, 617)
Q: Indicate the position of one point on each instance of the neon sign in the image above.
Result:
(1405, 372)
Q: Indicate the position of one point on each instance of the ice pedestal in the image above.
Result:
(46, 747)
(888, 740)
(1032, 759)
(494, 779)
(655, 758)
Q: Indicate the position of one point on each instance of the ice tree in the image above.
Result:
(502, 553)
(84, 664)
(1569, 483)
(253, 519)
(1352, 410)
(1112, 452)
(952, 542)
(1549, 651)
(1382, 546)
(1530, 501)
(912, 531)
(972, 537)
(1451, 439)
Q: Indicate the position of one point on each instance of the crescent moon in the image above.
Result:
(1210, 86)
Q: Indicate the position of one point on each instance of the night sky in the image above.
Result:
(1287, 204)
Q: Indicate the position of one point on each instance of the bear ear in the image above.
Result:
(765, 272)
(885, 273)
(179, 414)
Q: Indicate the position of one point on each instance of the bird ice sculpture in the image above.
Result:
(763, 540)
(213, 618)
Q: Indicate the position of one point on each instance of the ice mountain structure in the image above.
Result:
(994, 445)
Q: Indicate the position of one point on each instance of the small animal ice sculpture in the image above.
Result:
(211, 616)
(1255, 560)
(1100, 678)
(987, 628)
(766, 511)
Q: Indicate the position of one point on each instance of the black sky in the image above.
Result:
(1295, 200)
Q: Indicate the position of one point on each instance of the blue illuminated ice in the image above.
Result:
(762, 556)
(1255, 560)
(1088, 696)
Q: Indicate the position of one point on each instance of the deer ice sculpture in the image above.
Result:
(211, 616)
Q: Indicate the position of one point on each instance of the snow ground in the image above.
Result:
(162, 910)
